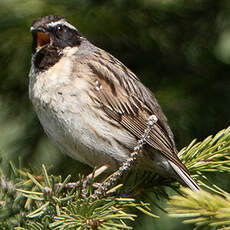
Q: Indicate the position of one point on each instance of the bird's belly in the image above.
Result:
(78, 132)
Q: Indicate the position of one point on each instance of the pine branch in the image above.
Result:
(202, 208)
(205, 209)
(44, 205)
(210, 155)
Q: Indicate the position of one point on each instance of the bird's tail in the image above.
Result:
(184, 177)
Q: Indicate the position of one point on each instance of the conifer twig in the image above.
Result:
(76, 184)
(209, 155)
(203, 208)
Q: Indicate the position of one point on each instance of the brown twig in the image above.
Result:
(95, 174)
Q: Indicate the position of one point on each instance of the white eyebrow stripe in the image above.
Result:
(63, 23)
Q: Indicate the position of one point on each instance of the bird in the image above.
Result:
(93, 107)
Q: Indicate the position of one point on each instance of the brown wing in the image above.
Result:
(125, 99)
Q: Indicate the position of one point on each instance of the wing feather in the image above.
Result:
(125, 99)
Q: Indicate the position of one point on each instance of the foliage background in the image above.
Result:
(179, 49)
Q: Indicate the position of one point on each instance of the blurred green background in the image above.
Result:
(179, 49)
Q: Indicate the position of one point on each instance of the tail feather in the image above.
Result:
(185, 177)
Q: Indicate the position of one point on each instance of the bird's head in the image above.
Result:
(54, 31)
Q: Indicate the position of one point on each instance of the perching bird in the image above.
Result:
(93, 107)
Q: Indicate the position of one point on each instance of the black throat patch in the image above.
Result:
(51, 35)
(46, 57)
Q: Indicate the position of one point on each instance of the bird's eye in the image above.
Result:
(60, 28)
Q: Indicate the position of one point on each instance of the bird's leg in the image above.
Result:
(127, 165)
(87, 179)
(95, 174)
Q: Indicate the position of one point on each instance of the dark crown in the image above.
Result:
(46, 20)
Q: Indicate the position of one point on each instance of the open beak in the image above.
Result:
(42, 38)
